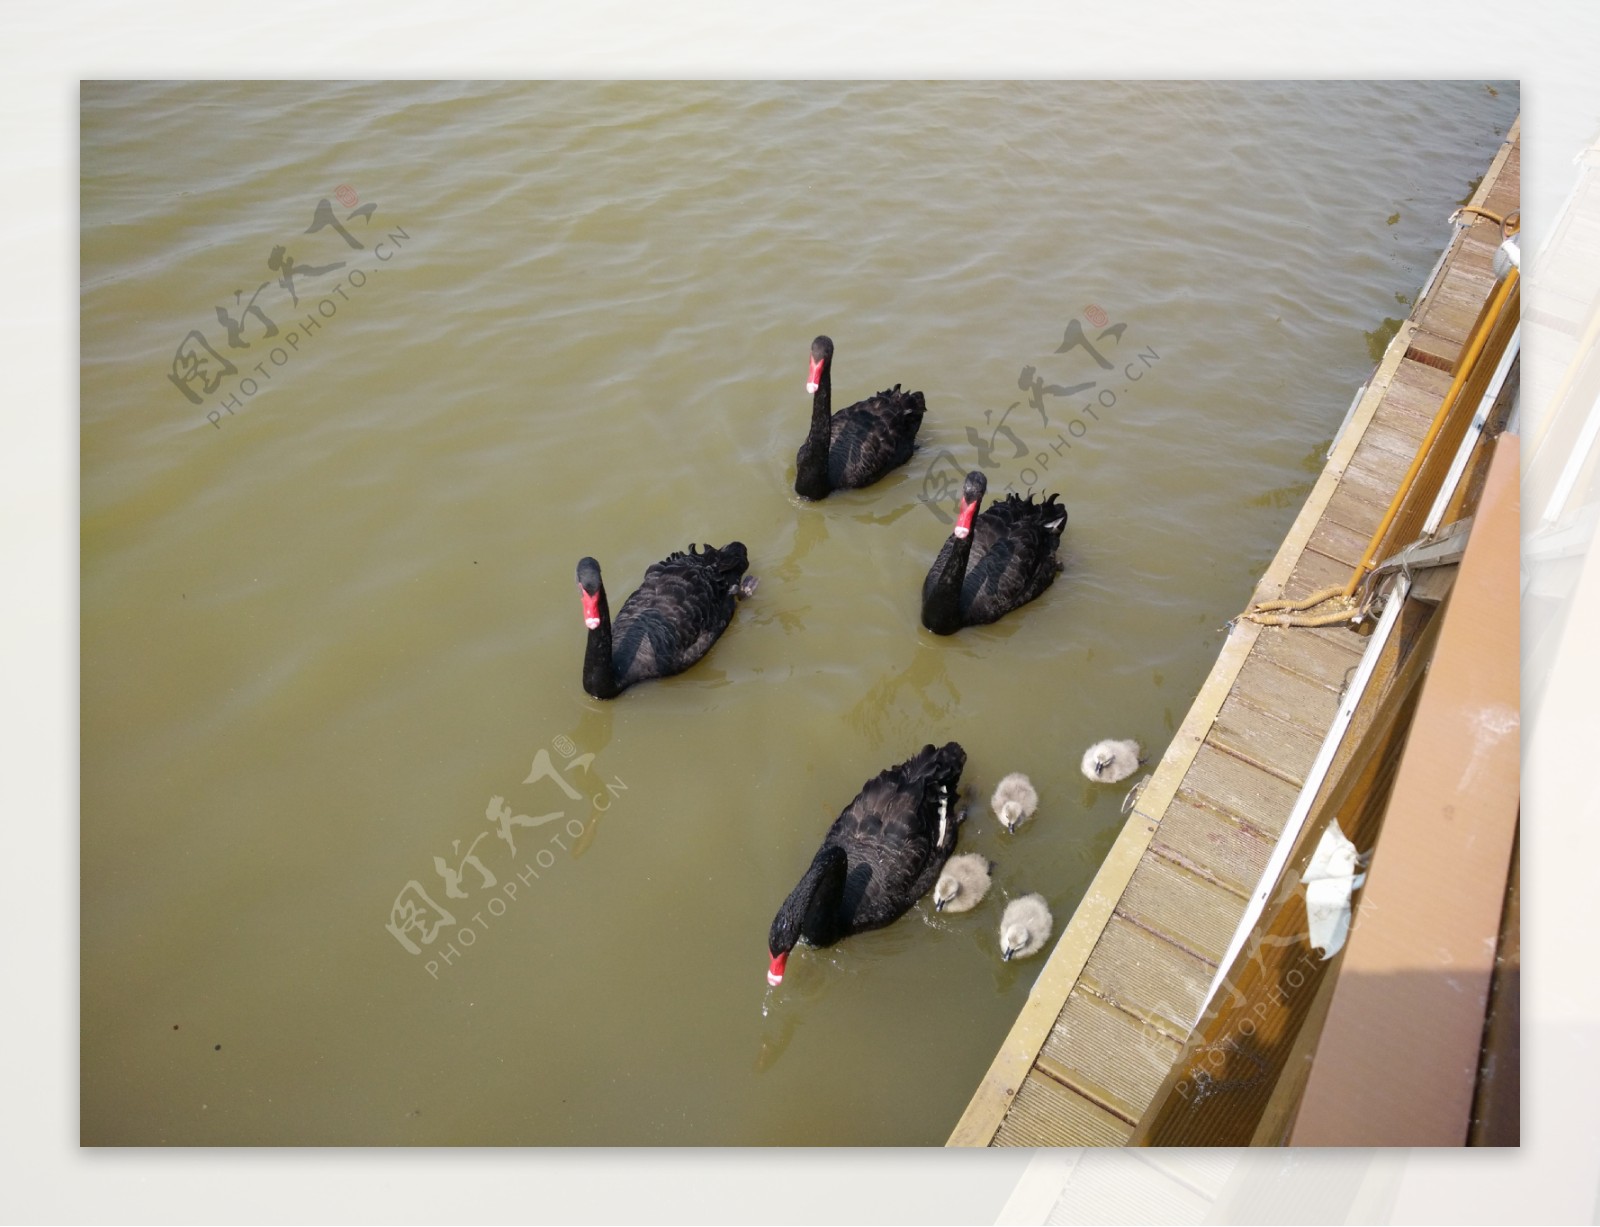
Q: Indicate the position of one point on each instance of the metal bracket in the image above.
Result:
(1439, 550)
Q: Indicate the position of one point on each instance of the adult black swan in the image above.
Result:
(881, 855)
(994, 562)
(684, 602)
(858, 445)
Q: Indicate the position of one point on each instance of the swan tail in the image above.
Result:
(908, 408)
(942, 792)
(731, 560)
(1014, 509)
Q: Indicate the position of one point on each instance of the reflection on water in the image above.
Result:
(928, 680)
(328, 634)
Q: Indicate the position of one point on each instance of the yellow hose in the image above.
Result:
(1464, 367)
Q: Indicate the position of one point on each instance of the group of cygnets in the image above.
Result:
(1026, 923)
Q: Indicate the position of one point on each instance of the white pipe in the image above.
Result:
(1308, 791)
(1479, 420)
(1344, 425)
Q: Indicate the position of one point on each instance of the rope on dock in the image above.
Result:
(1294, 613)
(1340, 617)
(1510, 223)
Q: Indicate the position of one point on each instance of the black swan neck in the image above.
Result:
(941, 600)
(812, 908)
(823, 925)
(811, 466)
(599, 669)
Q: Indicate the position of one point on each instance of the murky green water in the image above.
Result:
(331, 640)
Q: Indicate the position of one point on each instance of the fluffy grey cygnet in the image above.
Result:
(1025, 927)
(963, 884)
(1015, 800)
(1107, 762)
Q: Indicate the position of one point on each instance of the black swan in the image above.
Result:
(1012, 548)
(858, 445)
(878, 858)
(684, 602)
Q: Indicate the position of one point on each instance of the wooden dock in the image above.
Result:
(1115, 1002)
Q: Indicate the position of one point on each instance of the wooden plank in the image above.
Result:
(1375, 473)
(1314, 573)
(1445, 334)
(1107, 1056)
(1506, 197)
(1454, 304)
(1474, 265)
(1399, 434)
(1231, 785)
(1262, 740)
(1045, 1113)
(1430, 346)
(1157, 982)
(1341, 636)
(1294, 699)
(1317, 656)
(1379, 466)
(1454, 310)
(1478, 251)
(1213, 847)
(1184, 909)
(1357, 511)
(1336, 541)
(1417, 389)
(1341, 543)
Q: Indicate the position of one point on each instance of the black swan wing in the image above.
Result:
(897, 833)
(873, 436)
(1013, 558)
(940, 564)
(679, 609)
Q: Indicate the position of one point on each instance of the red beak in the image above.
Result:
(815, 378)
(775, 972)
(591, 608)
(964, 519)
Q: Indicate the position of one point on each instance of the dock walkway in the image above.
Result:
(1116, 1000)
